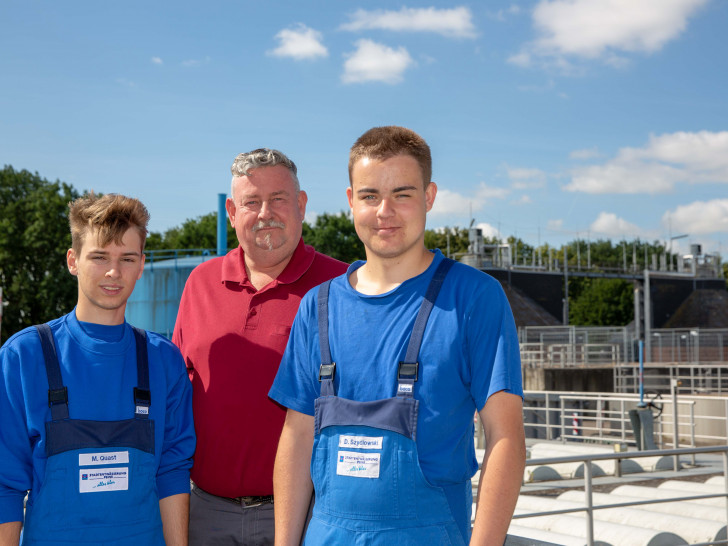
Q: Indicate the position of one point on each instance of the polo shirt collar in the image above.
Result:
(233, 265)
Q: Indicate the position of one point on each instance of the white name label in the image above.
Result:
(103, 479)
(115, 457)
(404, 387)
(361, 442)
(357, 465)
(142, 410)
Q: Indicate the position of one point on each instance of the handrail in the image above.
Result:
(587, 459)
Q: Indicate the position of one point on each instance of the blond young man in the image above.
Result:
(97, 415)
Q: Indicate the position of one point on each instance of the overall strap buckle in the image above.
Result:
(57, 396)
(142, 401)
(326, 378)
(407, 373)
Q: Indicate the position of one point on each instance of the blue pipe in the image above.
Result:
(221, 225)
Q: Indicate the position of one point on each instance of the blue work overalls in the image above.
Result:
(366, 473)
(100, 478)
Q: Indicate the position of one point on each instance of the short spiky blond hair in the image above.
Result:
(111, 214)
(381, 143)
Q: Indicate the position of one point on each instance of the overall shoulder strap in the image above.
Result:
(407, 371)
(327, 369)
(57, 392)
(142, 394)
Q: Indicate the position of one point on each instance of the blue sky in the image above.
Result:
(548, 119)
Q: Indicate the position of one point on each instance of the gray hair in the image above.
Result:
(262, 157)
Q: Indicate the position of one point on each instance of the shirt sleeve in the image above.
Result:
(493, 349)
(178, 447)
(296, 384)
(15, 448)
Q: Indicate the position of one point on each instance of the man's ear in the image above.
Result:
(72, 262)
(141, 269)
(230, 207)
(430, 193)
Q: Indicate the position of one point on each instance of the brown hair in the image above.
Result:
(111, 214)
(384, 142)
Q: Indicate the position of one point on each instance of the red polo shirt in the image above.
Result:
(232, 338)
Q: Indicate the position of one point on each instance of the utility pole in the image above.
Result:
(566, 285)
(588, 250)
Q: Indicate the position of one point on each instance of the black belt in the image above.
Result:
(248, 502)
(251, 501)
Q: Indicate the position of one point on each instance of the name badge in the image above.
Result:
(103, 479)
(115, 457)
(357, 465)
(361, 442)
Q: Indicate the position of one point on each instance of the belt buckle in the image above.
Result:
(253, 501)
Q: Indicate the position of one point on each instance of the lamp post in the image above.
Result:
(669, 252)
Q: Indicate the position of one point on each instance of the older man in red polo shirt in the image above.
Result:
(232, 328)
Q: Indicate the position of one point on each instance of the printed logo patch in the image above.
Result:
(358, 465)
(104, 479)
(404, 388)
(361, 442)
(91, 459)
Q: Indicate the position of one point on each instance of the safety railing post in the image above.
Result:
(589, 503)
(725, 480)
(692, 429)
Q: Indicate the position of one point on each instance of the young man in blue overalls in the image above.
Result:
(96, 414)
(384, 369)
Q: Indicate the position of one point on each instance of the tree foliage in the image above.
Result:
(600, 302)
(34, 239)
(438, 238)
(335, 236)
(200, 232)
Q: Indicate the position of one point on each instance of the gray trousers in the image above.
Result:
(216, 521)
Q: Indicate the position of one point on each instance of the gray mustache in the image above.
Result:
(268, 224)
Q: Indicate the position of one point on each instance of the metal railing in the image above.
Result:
(603, 418)
(693, 379)
(563, 346)
(589, 508)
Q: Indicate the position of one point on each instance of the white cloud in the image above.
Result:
(502, 14)
(125, 82)
(450, 202)
(609, 224)
(699, 217)
(523, 200)
(522, 178)
(586, 153)
(195, 62)
(376, 62)
(310, 217)
(299, 43)
(604, 29)
(156, 60)
(452, 23)
(487, 229)
(666, 160)
(555, 225)
(484, 192)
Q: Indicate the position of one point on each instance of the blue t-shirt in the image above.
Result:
(469, 351)
(98, 365)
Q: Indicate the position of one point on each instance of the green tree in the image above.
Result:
(334, 235)
(600, 302)
(438, 238)
(34, 239)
